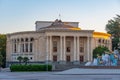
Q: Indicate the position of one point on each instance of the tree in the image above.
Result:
(25, 60)
(20, 59)
(3, 48)
(99, 51)
(1, 60)
(113, 28)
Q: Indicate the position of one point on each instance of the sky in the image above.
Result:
(21, 15)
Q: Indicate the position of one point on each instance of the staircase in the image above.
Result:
(61, 67)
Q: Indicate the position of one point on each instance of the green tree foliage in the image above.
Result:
(1, 60)
(20, 59)
(113, 28)
(3, 48)
(25, 60)
(99, 51)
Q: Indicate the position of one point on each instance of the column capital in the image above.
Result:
(64, 36)
(61, 36)
(75, 36)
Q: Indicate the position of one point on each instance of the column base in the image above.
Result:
(76, 62)
(62, 62)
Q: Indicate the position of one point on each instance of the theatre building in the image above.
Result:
(55, 42)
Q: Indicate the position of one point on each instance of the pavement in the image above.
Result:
(80, 71)
(71, 74)
(5, 70)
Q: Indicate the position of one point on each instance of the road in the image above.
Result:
(53, 76)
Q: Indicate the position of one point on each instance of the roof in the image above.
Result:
(58, 24)
(101, 35)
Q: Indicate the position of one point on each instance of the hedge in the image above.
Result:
(17, 67)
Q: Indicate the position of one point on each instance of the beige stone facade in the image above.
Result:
(57, 42)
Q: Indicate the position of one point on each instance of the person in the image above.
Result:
(119, 55)
(115, 60)
(99, 60)
(95, 62)
(116, 52)
(107, 58)
(111, 57)
(103, 58)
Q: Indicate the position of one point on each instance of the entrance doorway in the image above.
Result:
(81, 58)
(55, 58)
(68, 58)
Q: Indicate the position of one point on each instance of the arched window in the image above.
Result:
(17, 40)
(22, 39)
(26, 39)
(103, 41)
(32, 39)
(99, 40)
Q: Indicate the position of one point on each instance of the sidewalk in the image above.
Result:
(5, 70)
(80, 71)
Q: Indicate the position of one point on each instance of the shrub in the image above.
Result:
(17, 67)
(99, 51)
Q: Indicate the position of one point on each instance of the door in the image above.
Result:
(55, 58)
(68, 58)
(81, 58)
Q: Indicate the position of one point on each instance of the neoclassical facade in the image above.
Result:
(57, 41)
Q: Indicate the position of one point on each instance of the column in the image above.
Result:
(46, 48)
(74, 56)
(91, 48)
(12, 46)
(24, 46)
(64, 52)
(50, 47)
(28, 44)
(78, 48)
(18, 48)
(88, 50)
(60, 48)
(35, 43)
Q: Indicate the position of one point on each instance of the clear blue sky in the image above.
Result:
(20, 15)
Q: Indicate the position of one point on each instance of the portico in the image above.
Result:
(67, 46)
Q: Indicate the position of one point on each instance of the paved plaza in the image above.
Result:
(65, 75)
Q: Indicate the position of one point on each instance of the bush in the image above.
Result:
(99, 51)
(17, 67)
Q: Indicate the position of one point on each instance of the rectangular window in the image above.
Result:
(54, 46)
(26, 45)
(68, 49)
(68, 46)
(81, 49)
(22, 47)
(14, 48)
(31, 47)
(81, 45)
